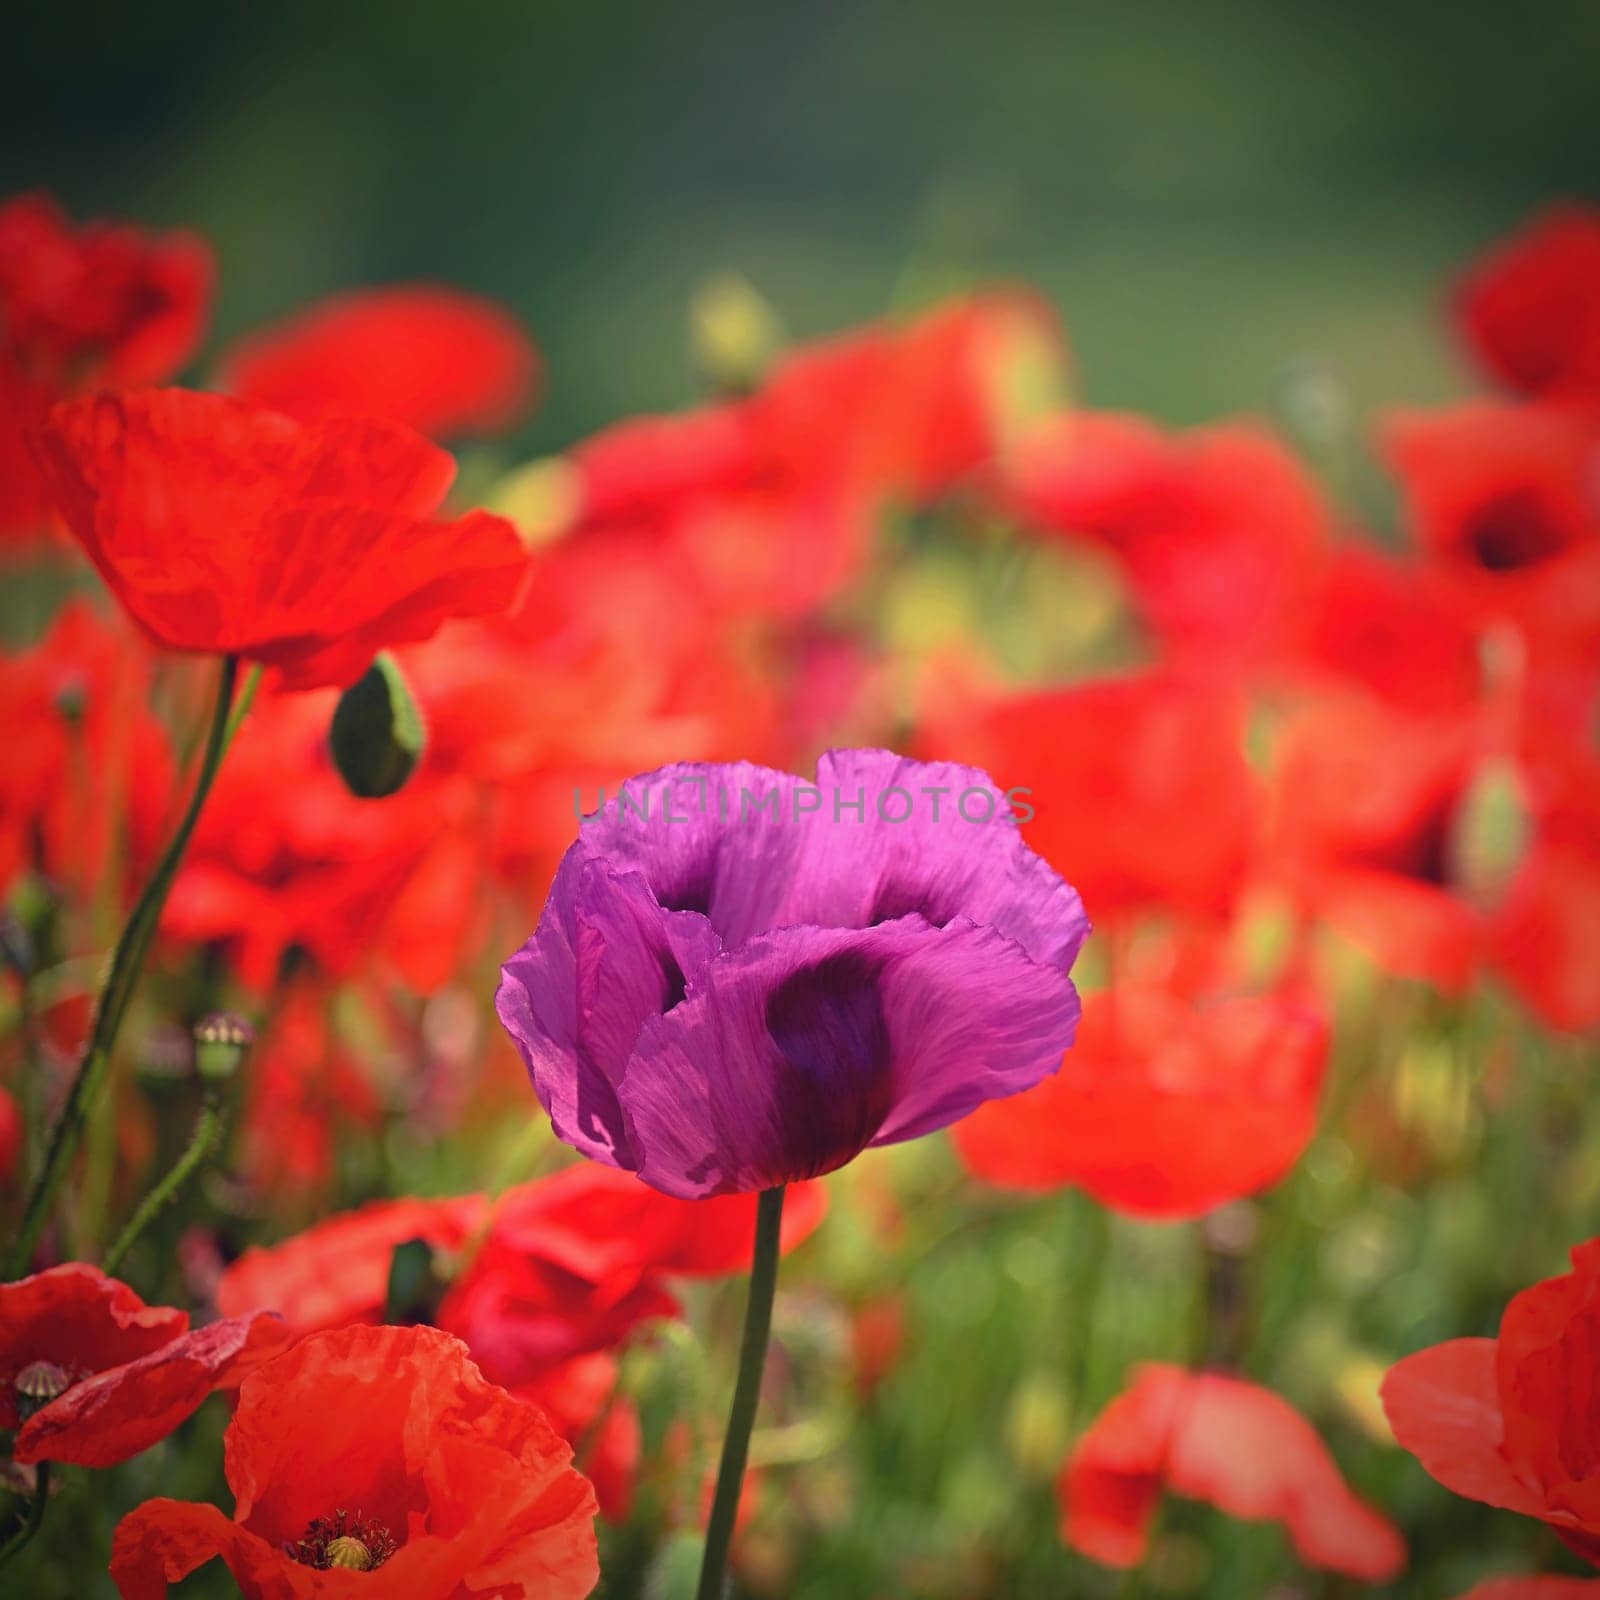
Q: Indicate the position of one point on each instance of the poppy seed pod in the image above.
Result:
(38, 1384)
(220, 1041)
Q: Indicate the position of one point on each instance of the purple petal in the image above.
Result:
(604, 957)
(956, 853)
(795, 1052)
(719, 839)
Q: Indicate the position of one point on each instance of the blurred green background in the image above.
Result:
(1208, 191)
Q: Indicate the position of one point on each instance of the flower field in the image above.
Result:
(894, 983)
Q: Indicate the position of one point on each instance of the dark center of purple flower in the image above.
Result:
(1514, 530)
(346, 1540)
(834, 1088)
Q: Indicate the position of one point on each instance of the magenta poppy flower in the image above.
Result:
(741, 979)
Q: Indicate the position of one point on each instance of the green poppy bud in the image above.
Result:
(377, 736)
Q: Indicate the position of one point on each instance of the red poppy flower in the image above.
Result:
(1141, 795)
(558, 1272)
(337, 1272)
(89, 777)
(1221, 531)
(599, 1232)
(1237, 1447)
(1511, 1421)
(1165, 1106)
(108, 304)
(911, 410)
(1503, 497)
(1530, 310)
(105, 306)
(376, 1449)
(433, 358)
(89, 1374)
(305, 545)
(1543, 934)
(1396, 629)
(771, 501)
(574, 1261)
(1366, 806)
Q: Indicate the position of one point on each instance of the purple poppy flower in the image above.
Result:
(741, 979)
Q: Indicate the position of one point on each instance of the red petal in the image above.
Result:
(163, 1541)
(1531, 309)
(338, 1272)
(117, 1413)
(302, 545)
(79, 1319)
(1162, 1108)
(1229, 1443)
(1444, 1407)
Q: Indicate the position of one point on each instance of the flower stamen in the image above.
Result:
(346, 1540)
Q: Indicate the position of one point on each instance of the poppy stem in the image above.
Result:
(746, 1395)
(127, 963)
(207, 1130)
(1086, 1277)
(41, 1492)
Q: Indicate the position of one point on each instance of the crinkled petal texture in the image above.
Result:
(117, 1413)
(134, 1371)
(1164, 1108)
(474, 1487)
(442, 362)
(1231, 1444)
(223, 528)
(78, 1319)
(741, 979)
(1515, 1421)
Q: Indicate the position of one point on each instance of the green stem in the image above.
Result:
(746, 1395)
(41, 1492)
(241, 706)
(1092, 1246)
(127, 963)
(206, 1129)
